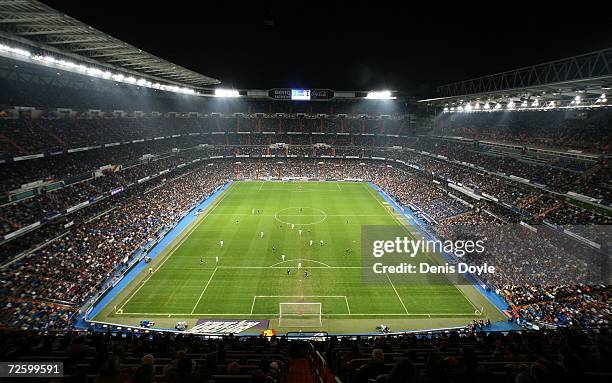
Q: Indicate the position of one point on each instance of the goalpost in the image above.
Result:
(300, 314)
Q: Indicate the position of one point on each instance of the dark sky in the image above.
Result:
(352, 45)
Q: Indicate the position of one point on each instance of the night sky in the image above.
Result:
(350, 46)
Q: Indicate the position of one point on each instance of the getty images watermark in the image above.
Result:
(411, 247)
(512, 254)
(409, 258)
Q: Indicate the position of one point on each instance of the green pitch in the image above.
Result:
(250, 278)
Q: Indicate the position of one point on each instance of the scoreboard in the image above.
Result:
(300, 94)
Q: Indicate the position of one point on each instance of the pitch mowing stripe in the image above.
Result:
(178, 245)
(302, 215)
(324, 315)
(203, 291)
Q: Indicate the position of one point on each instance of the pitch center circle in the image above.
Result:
(300, 216)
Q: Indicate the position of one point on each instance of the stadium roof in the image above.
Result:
(589, 75)
(31, 24)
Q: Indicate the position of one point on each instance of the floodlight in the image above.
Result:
(226, 93)
(380, 95)
(49, 60)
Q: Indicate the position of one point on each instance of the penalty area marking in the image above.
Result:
(303, 296)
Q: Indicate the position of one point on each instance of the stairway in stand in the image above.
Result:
(300, 371)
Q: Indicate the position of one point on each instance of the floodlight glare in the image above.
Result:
(381, 95)
(226, 93)
(48, 60)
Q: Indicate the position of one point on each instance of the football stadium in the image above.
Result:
(165, 218)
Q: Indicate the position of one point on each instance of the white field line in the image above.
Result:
(299, 260)
(396, 293)
(325, 315)
(300, 296)
(303, 215)
(347, 305)
(203, 291)
(253, 305)
(176, 247)
(135, 292)
(261, 186)
(339, 188)
(270, 267)
(412, 235)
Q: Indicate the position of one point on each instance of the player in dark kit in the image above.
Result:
(288, 271)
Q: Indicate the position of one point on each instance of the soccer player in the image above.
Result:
(305, 274)
(217, 259)
(273, 248)
(253, 211)
(261, 235)
(347, 250)
(288, 271)
(283, 257)
(310, 243)
(221, 243)
(321, 242)
(300, 231)
(150, 270)
(292, 226)
(202, 261)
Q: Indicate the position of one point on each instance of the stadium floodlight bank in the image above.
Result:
(299, 314)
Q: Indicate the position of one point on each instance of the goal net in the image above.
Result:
(303, 314)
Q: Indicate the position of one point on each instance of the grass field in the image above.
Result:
(250, 279)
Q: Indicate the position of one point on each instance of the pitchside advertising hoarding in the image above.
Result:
(300, 94)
